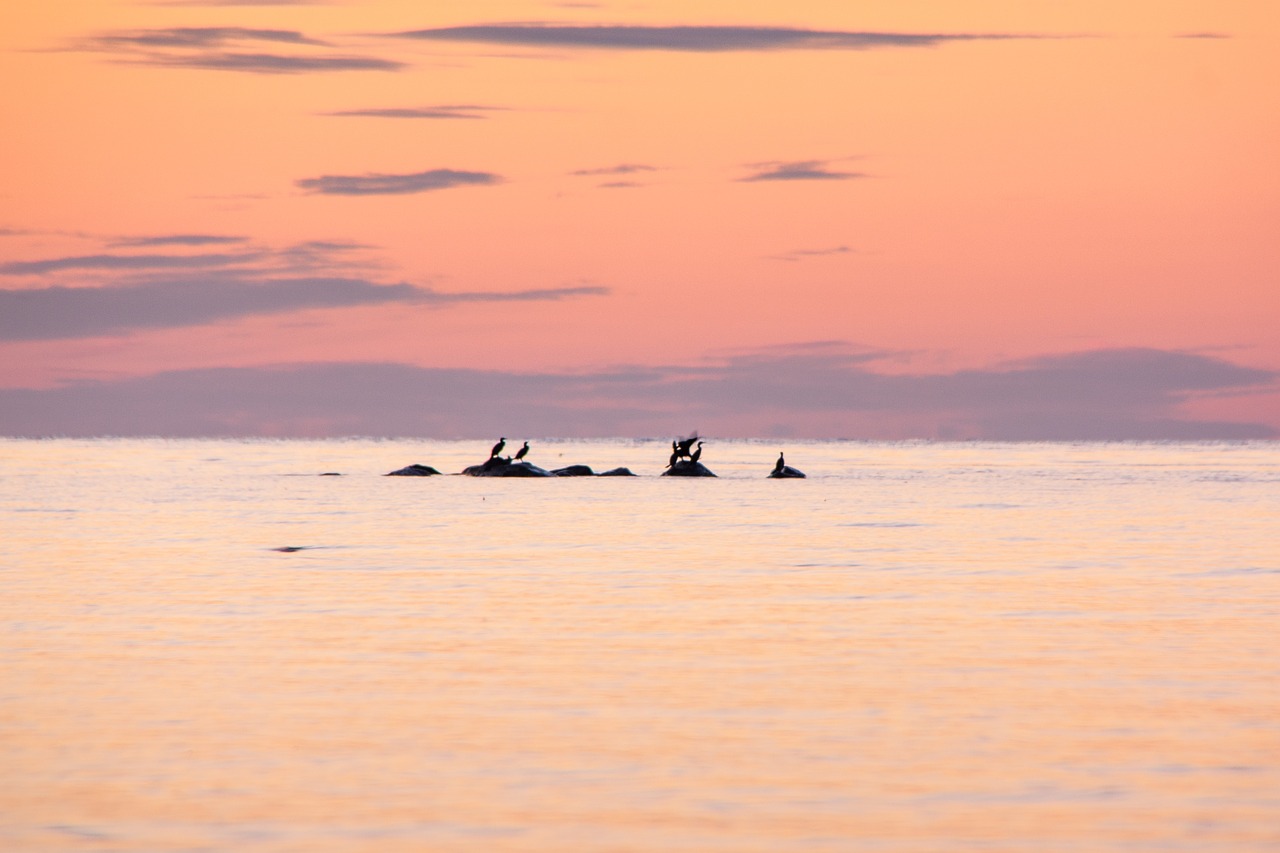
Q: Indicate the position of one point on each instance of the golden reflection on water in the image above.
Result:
(922, 647)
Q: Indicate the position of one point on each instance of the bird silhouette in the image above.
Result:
(779, 465)
(497, 448)
(520, 454)
(682, 446)
(697, 454)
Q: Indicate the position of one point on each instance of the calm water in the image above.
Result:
(922, 647)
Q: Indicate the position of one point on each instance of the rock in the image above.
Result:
(500, 467)
(686, 468)
(787, 473)
(616, 472)
(414, 470)
(574, 471)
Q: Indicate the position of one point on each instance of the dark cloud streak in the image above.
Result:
(267, 63)
(800, 170)
(215, 48)
(194, 37)
(688, 38)
(385, 184)
(444, 111)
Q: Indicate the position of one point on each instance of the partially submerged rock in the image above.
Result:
(574, 471)
(688, 468)
(616, 472)
(500, 467)
(786, 472)
(414, 470)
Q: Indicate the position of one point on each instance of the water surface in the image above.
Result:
(920, 647)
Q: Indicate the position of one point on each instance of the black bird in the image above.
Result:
(682, 446)
(497, 448)
(779, 465)
(522, 451)
(697, 454)
(675, 457)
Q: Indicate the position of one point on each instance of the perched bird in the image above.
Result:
(520, 454)
(697, 454)
(682, 446)
(497, 448)
(675, 457)
(779, 465)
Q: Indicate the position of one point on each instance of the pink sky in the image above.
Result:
(880, 220)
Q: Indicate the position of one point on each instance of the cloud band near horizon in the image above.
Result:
(1096, 395)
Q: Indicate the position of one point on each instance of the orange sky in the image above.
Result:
(1039, 181)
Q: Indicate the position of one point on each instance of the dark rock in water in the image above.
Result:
(414, 470)
(330, 474)
(787, 473)
(616, 472)
(574, 471)
(687, 468)
(500, 467)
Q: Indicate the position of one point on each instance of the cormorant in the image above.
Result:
(682, 446)
(697, 453)
(779, 465)
(522, 451)
(497, 448)
(675, 457)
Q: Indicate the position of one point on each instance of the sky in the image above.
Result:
(821, 219)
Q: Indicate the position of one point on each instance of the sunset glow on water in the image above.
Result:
(919, 647)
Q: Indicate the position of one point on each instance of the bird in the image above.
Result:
(779, 465)
(520, 454)
(684, 444)
(675, 457)
(697, 454)
(497, 448)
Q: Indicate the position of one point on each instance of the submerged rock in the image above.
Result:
(688, 468)
(786, 473)
(414, 470)
(616, 472)
(574, 471)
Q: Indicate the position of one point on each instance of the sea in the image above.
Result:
(269, 646)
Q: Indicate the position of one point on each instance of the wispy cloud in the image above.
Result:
(443, 111)
(390, 184)
(194, 37)
(688, 38)
(621, 169)
(801, 254)
(149, 291)
(1104, 394)
(223, 49)
(76, 312)
(799, 170)
(265, 63)
(124, 262)
(241, 3)
(177, 240)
